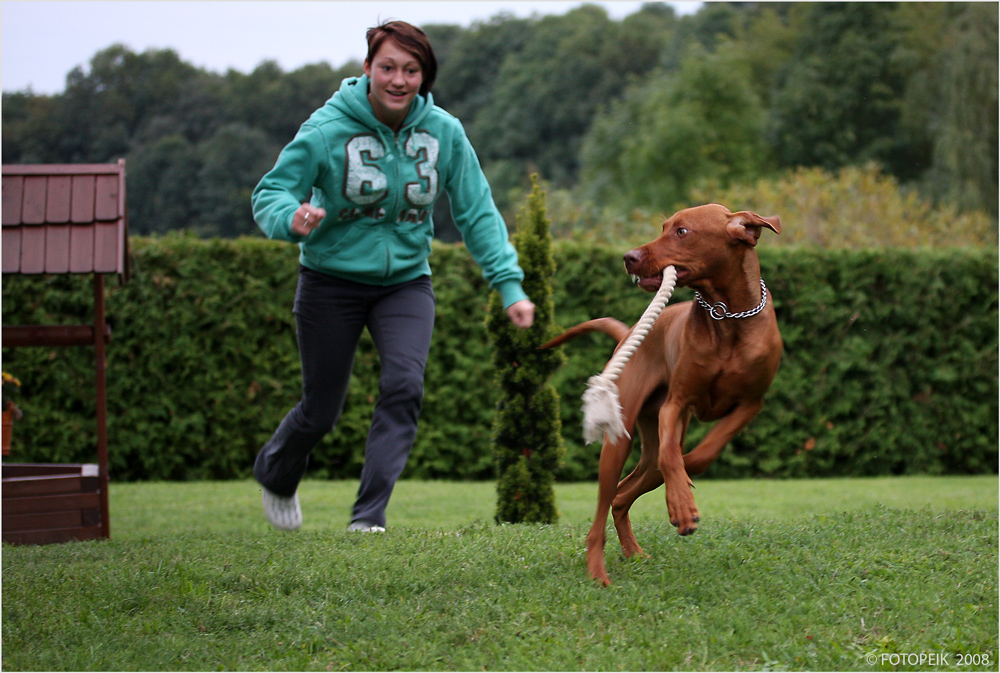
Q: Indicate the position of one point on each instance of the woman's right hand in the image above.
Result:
(306, 219)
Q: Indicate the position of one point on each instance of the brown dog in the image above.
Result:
(714, 357)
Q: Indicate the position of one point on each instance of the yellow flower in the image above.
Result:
(10, 383)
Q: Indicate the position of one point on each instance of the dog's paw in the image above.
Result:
(688, 529)
(683, 512)
(599, 574)
(603, 579)
(595, 565)
(632, 549)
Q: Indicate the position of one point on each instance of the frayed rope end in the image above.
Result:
(602, 412)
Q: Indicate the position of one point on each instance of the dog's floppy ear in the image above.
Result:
(746, 225)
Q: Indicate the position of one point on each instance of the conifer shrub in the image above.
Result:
(527, 440)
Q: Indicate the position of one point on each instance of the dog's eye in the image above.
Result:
(681, 231)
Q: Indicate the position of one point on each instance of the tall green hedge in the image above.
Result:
(890, 364)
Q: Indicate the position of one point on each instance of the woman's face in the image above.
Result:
(395, 76)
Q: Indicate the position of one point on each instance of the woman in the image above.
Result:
(355, 189)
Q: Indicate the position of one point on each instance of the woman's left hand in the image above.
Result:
(521, 313)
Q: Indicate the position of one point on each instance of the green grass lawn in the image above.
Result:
(852, 574)
(165, 508)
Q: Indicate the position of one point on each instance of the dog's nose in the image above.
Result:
(632, 257)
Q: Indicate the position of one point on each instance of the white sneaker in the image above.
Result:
(364, 527)
(282, 513)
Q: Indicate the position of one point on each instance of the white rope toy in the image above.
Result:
(602, 411)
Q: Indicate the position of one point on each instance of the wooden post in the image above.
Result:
(100, 362)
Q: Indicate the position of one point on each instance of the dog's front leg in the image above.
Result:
(680, 502)
(613, 455)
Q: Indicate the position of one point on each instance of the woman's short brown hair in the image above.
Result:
(409, 38)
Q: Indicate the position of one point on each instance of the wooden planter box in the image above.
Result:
(51, 503)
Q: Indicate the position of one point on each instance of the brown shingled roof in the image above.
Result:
(65, 218)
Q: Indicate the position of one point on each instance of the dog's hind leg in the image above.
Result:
(613, 455)
(643, 479)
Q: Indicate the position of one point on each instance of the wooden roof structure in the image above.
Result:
(63, 219)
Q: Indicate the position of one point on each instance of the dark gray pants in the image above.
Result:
(330, 315)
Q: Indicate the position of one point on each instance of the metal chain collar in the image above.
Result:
(720, 311)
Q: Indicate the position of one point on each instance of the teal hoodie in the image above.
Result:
(378, 189)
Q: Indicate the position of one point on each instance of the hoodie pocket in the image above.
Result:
(414, 244)
(342, 247)
(413, 236)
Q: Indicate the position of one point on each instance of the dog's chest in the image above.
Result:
(723, 383)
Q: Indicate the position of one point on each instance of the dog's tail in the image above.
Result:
(616, 329)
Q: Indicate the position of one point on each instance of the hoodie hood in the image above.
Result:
(352, 99)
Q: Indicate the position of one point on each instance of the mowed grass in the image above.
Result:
(852, 574)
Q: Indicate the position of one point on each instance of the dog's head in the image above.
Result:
(697, 242)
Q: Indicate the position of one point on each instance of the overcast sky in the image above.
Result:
(43, 40)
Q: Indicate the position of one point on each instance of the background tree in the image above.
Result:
(764, 41)
(547, 92)
(230, 164)
(527, 437)
(616, 116)
(162, 179)
(674, 132)
(839, 98)
(277, 102)
(958, 110)
(470, 59)
(30, 130)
